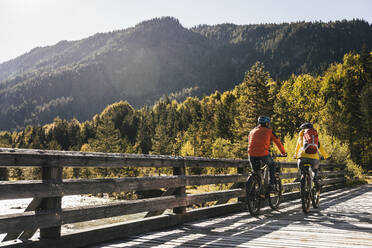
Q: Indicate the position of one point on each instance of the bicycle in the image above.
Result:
(257, 189)
(310, 190)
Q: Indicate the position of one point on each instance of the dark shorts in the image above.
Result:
(257, 162)
(314, 163)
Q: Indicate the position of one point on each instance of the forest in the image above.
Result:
(78, 79)
(337, 101)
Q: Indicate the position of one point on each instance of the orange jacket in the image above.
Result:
(259, 140)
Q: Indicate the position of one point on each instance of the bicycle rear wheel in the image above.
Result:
(276, 195)
(315, 196)
(305, 192)
(253, 195)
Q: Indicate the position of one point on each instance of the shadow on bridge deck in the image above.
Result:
(344, 219)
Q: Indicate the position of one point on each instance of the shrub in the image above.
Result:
(354, 174)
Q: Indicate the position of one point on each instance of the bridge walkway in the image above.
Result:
(344, 219)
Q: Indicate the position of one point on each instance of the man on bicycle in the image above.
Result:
(308, 148)
(259, 141)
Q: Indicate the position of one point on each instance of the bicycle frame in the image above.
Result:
(257, 189)
(307, 169)
(309, 192)
(263, 176)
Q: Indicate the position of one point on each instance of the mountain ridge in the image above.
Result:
(160, 56)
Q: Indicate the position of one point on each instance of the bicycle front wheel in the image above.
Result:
(276, 195)
(305, 192)
(253, 195)
(316, 196)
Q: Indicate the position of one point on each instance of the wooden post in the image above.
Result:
(52, 175)
(25, 234)
(3, 174)
(181, 191)
(243, 171)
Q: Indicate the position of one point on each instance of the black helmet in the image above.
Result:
(306, 125)
(263, 120)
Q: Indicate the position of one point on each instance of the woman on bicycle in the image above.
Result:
(259, 141)
(308, 148)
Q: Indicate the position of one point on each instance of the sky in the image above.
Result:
(26, 24)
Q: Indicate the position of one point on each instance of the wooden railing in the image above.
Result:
(45, 210)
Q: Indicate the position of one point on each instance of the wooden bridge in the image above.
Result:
(231, 226)
(343, 220)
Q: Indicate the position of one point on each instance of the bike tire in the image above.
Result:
(315, 199)
(275, 197)
(306, 193)
(253, 198)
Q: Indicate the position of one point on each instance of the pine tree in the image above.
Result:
(223, 121)
(366, 140)
(253, 100)
(108, 139)
(342, 90)
(366, 108)
(161, 142)
(145, 132)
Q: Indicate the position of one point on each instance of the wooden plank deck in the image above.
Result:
(344, 219)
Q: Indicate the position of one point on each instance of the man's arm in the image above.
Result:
(278, 143)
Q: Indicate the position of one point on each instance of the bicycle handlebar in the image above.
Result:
(278, 155)
(322, 158)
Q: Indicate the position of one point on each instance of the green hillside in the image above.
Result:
(338, 102)
(157, 57)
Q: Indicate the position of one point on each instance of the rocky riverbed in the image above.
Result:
(19, 206)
